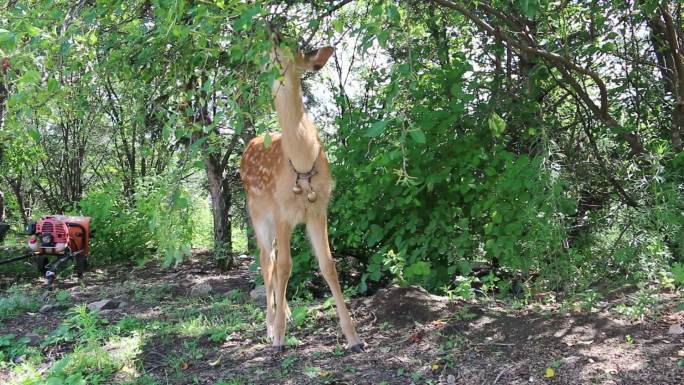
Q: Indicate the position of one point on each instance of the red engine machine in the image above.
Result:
(67, 238)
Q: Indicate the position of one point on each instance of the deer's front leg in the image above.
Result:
(318, 232)
(283, 268)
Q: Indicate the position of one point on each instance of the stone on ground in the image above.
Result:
(201, 290)
(675, 329)
(258, 294)
(105, 304)
(33, 339)
(47, 309)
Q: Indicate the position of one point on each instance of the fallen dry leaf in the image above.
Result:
(438, 324)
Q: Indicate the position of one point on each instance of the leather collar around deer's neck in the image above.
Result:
(297, 189)
(306, 175)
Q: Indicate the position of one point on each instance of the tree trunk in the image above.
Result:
(16, 186)
(3, 226)
(2, 207)
(248, 133)
(666, 38)
(219, 189)
(678, 126)
(219, 186)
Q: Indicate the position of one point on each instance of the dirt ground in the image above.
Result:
(411, 336)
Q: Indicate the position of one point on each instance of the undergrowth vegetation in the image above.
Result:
(100, 350)
(159, 337)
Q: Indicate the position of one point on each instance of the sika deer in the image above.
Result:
(287, 183)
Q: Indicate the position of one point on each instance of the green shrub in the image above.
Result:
(156, 220)
(121, 231)
(437, 189)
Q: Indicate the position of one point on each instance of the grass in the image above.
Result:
(100, 351)
(17, 301)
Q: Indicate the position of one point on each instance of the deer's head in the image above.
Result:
(287, 61)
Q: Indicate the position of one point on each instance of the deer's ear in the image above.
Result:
(318, 58)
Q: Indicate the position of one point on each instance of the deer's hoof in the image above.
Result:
(278, 349)
(358, 348)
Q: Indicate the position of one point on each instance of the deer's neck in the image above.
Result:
(300, 138)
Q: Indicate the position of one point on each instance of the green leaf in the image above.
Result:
(418, 268)
(376, 128)
(383, 36)
(496, 124)
(529, 8)
(609, 47)
(7, 39)
(678, 273)
(30, 77)
(267, 140)
(31, 30)
(393, 13)
(166, 132)
(181, 202)
(52, 85)
(375, 235)
(180, 31)
(299, 315)
(75, 379)
(524, 6)
(418, 135)
(54, 381)
(338, 25)
(35, 134)
(64, 48)
(456, 89)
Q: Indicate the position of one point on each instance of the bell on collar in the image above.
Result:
(311, 196)
(297, 189)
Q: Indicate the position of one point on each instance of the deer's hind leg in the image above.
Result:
(281, 275)
(264, 229)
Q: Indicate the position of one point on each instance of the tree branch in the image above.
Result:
(671, 36)
(562, 63)
(327, 13)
